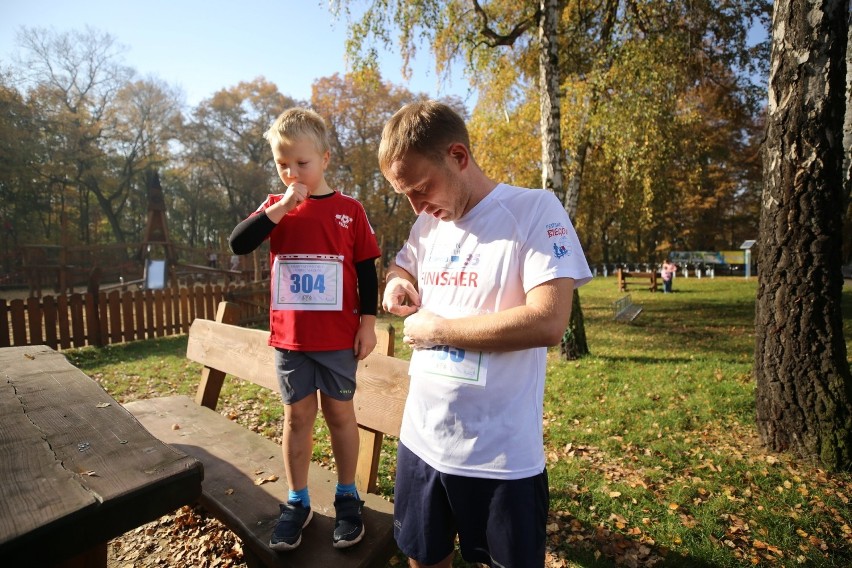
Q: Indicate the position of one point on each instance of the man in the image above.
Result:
(485, 279)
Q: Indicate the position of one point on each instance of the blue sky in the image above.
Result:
(203, 46)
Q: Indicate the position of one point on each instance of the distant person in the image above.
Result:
(235, 262)
(668, 272)
(322, 315)
(212, 258)
(484, 282)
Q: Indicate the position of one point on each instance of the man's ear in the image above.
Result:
(459, 154)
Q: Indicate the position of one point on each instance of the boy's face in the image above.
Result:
(299, 161)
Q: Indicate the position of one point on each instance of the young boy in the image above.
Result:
(321, 244)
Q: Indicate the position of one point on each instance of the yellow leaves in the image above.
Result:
(688, 521)
(261, 480)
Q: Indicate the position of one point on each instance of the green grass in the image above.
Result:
(653, 458)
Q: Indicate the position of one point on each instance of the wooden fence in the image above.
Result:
(77, 320)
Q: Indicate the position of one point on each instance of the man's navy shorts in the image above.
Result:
(498, 522)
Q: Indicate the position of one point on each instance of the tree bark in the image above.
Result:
(549, 97)
(574, 343)
(803, 379)
(847, 144)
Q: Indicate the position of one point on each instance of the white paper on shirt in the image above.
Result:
(307, 282)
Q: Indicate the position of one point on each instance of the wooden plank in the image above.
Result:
(369, 453)
(62, 318)
(103, 318)
(49, 309)
(198, 303)
(19, 322)
(34, 321)
(209, 304)
(139, 314)
(168, 309)
(233, 458)
(159, 320)
(127, 322)
(78, 334)
(148, 299)
(59, 425)
(184, 310)
(114, 301)
(93, 324)
(4, 324)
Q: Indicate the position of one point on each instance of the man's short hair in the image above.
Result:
(298, 122)
(427, 128)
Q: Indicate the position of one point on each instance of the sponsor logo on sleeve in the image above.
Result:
(558, 235)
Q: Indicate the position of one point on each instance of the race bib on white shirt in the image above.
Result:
(451, 363)
(307, 282)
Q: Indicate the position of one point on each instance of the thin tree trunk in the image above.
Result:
(574, 343)
(549, 97)
(804, 386)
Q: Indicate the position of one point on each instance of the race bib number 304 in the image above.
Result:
(307, 282)
(452, 363)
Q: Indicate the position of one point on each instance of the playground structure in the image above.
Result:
(153, 264)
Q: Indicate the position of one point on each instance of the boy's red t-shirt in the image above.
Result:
(332, 225)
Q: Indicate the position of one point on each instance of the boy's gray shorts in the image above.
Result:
(301, 373)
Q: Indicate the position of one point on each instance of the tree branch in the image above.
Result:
(494, 39)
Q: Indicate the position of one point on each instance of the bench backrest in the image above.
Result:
(382, 380)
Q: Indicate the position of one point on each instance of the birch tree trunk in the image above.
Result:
(804, 386)
(574, 344)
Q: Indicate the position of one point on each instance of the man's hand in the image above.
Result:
(420, 330)
(401, 297)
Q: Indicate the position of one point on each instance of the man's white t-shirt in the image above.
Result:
(475, 414)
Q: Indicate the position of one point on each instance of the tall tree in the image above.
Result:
(804, 387)
(73, 80)
(226, 158)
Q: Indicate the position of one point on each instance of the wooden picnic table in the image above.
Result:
(77, 469)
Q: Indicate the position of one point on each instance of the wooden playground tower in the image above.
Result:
(157, 237)
(157, 234)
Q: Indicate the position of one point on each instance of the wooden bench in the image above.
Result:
(234, 457)
(625, 310)
(624, 275)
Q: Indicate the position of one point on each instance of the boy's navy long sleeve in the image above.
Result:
(250, 233)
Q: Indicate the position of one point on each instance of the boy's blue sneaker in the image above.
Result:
(348, 526)
(288, 531)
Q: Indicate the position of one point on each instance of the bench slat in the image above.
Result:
(238, 351)
(233, 458)
(382, 381)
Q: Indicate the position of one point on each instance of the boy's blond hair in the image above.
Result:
(427, 128)
(298, 122)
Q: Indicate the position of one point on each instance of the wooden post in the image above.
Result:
(367, 469)
(212, 379)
